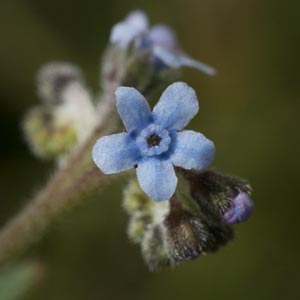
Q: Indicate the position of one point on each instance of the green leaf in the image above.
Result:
(16, 280)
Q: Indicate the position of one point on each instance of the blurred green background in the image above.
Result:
(250, 110)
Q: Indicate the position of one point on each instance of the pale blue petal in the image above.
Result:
(192, 150)
(133, 108)
(176, 107)
(196, 64)
(157, 178)
(167, 56)
(122, 34)
(163, 35)
(137, 19)
(115, 153)
(175, 59)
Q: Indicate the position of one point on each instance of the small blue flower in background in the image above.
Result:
(160, 41)
(240, 210)
(154, 141)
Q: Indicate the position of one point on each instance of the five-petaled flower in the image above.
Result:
(154, 142)
(160, 41)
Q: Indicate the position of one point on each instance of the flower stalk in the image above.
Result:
(69, 186)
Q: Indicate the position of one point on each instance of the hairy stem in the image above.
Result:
(68, 187)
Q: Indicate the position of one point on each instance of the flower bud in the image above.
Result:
(53, 78)
(240, 210)
(48, 136)
(216, 192)
(135, 201)
(137, 227)
(174, 231)
(219, 233)
(186, 235)
(153, 249)
(67, 99)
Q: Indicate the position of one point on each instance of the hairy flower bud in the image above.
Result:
(174, 231)
(186, 235)
(54, 77)
(240, 210)
(61, 87)
(190, 234)
(137, 227)
(153, 249)
(216, 192)
(145, 226)
(135, 201)
(48, 136)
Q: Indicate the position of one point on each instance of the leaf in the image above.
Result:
(16, 280)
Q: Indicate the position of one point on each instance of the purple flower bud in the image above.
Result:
(240, 210)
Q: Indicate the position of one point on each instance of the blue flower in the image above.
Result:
(160, 41)
(154, 142)
(240, 210)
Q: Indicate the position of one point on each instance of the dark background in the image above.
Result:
(250, 110)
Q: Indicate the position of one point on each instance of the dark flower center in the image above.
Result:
(153, 140)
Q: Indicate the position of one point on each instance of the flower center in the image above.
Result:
(153, 140)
